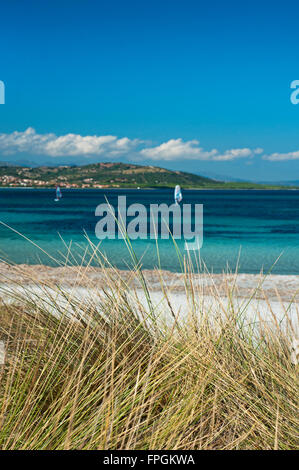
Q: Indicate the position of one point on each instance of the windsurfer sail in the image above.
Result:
(178, 194)
(58, 194)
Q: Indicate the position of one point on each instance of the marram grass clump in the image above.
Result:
(108, 373)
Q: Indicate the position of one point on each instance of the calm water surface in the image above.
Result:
(263, 224)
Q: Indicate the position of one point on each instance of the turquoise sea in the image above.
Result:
(262, 224)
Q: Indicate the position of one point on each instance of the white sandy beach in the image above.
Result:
(272, 299)
(276, 287)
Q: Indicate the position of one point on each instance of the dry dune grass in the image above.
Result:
(109, 374)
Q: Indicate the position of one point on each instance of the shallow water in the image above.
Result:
(262, 224)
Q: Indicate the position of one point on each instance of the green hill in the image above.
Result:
(113, 175)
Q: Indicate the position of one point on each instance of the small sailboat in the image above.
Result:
(58, 194)
(178, 194)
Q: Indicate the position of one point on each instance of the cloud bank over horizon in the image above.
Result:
(280, 157)
(111, 147)
(68, 145)
(176, 149)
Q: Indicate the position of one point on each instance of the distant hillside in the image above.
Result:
(113, 175)
(282, 183)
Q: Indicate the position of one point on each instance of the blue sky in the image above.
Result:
(191, 85)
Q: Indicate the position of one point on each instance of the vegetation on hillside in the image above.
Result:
(114, 175)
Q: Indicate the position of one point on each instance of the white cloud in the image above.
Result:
(112, 147)
(279, 157)
(177, 149)
(66, 145)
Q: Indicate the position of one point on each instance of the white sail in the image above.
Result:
(178, 194)
(58, 194)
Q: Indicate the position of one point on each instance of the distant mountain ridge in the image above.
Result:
(113, 175)
(284, 183)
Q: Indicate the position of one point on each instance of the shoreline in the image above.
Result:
(283, 287)
(271, 301)
(286, 188)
